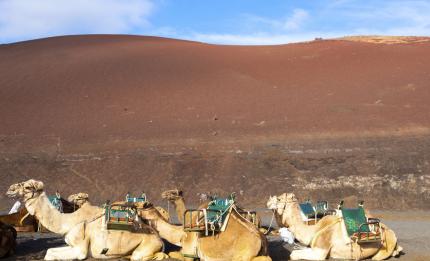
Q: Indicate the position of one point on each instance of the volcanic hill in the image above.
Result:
(326, 119)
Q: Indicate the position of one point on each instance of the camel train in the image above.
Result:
(217, 230)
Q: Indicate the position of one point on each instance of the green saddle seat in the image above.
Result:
(56, 202)
(358, 226)
(218, 210)
(131, 199)
(307, 209)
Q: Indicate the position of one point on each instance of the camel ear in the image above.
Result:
(38, 185)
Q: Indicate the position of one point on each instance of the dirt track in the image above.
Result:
(410, 227)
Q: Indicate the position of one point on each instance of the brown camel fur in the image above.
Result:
(328, 237)
(176, 197)
(240, 240)
(84, 230)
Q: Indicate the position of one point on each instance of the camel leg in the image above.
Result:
(147, 250)
(389, 245)
(262, 258)
(66, 253)
(309, 254)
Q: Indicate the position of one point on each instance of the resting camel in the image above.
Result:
(176, 197)
(161, 210)
(239, 241)
(7, 240)
(84, 230)
(22, 221)
(328, 237)
(78, 199)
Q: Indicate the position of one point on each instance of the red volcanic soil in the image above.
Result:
(327, 119)
(95, 88)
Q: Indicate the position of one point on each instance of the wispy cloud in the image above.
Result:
(334, 19)
(26, 19)
(296, 20)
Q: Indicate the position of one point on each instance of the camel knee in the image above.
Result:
(176, 255)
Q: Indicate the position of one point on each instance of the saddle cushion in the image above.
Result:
(353, 218)
(218, 210)
(56, 202)
(307, 209)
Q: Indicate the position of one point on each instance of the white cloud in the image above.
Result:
(296, 20)
(26, 19)
(335, 19)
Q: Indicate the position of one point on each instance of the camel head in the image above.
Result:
(25, 190)
(78, 199)
(279, 203)
(272, 203)
(172, 195)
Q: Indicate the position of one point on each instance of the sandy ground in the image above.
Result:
(411, 228)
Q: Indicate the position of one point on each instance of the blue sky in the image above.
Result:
(214, 21)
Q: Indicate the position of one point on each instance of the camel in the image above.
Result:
(78, 199)
(164, 213)
(85, 230)
(239, 241)
(22, 221)
(176, 197)
(328, 237)
(7, 240)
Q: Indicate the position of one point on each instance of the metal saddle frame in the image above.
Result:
(120, 216)
(214, 218)
(360, 228)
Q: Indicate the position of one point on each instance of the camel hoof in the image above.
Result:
(176, 255)
(397, 251)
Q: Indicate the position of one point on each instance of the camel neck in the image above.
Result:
(303, 233)
(173, 234)
(48, 215)
(278, 218)
(180, 209)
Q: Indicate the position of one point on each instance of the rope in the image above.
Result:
(22, 219)
(271, 222)
(168, 210)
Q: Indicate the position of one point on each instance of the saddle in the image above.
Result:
(360, 228)
(311, 214)
(55, 200)
(213, 218)
(140, 199)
